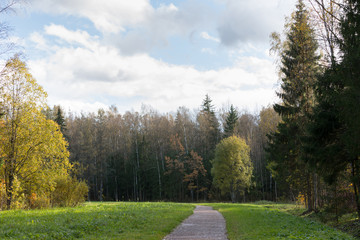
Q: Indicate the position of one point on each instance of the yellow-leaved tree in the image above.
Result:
(232, 167)
(33, 150)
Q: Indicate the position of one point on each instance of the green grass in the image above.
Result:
(265, 221)
(123, 220)
(127, 220)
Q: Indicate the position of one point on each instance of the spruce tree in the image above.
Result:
(333, 143)
(230, 122)
(323, 144)
(350, 69)
(299, 70)
(212, 123)
(207, 106)
(208, 127)
(349, 98)
(59, 118)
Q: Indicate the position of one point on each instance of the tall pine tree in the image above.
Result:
(333, 142)
(299, 70)
(230, 122)
(349, 98)
(209, 136)
(59, 118)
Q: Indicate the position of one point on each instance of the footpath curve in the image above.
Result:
(205, 223)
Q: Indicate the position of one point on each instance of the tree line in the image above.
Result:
(147, 155)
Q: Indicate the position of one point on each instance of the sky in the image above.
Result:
(91, 54)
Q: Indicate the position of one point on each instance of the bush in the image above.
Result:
(38, 201)
(2, 195)
(18, 195)
(69, 192)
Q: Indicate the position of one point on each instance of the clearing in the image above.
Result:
(129, 220)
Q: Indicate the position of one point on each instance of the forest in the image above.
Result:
(305, 148)
(150, 156)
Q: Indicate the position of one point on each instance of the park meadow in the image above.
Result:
(290, 170)
(154, 220)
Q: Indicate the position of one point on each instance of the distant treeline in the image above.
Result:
(152, 156)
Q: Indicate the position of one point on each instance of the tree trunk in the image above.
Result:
(159, 177)
(233, 196)
(101, 190)
(355, 185)
(9, 190)
(309, 194)
(116, 190)
(315, 192)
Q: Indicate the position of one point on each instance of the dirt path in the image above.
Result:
(205, 223)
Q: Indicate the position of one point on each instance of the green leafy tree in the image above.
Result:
(299, 70)
(232, 167)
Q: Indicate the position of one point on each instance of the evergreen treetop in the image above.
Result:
(207, 106)
(231, 122)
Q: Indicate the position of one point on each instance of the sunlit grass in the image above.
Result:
(128, 220)
(259, 221)
(123, 220)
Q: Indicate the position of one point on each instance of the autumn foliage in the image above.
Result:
(188, 168)
(33, 150)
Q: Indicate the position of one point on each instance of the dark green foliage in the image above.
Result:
(349, 98)
(209, 137)
(299, 70)
(350, 70)
(231, 122)
(59, 118)
(334, 132)
(207, 106)
(323, 143)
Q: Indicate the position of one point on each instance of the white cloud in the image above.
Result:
(39, 40)
(247, 21)
(206, 36)
(163, 23)
(88, 72)
(110, 16)
(71, 37)
(135, 26)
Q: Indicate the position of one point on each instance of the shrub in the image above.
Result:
(18, 195)
(38, 201)
(69, 192)
(2, 195)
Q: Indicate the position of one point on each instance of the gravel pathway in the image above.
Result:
(205, 223)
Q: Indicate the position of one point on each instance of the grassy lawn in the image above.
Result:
(123, 220)
(259, 221)
(128, 220)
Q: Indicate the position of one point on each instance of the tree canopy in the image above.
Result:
(232, 167)
(33, 149)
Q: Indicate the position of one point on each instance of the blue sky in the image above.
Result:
(89, 54)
